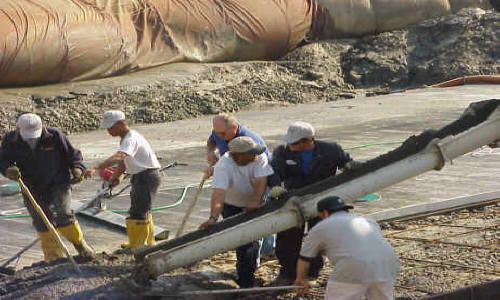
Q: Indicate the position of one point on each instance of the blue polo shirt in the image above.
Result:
(242, 131)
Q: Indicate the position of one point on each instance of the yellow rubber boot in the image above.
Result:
(74, 234)
(137, 233)
(151, 232)
(49, 246)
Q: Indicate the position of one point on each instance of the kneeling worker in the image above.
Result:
(48, 165)
(364, 263)
(137, 158)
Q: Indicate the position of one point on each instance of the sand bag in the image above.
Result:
(50, 41)
(46, 41)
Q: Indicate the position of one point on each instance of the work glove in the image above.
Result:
(77, 175)
(495, 144)
(114, 181)
(13, 173)
(277, 191)
(352, 165)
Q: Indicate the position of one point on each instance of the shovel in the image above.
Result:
(47, 223)
(84, 206)
(191, 206)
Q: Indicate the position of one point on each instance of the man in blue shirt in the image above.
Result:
(225, 129)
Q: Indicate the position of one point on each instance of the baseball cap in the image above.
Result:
(111, 117)
(245, 144)
(297, 131)
(30, 126)
(332, 204)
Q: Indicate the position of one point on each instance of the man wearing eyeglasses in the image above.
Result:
(301, 162)
(225, 129)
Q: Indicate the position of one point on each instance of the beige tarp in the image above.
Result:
(46, 41)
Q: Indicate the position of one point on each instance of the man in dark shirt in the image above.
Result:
(301, 162)
(48, 165)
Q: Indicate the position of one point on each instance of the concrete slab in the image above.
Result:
(366, 122)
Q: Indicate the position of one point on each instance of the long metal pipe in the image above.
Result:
(294, 211)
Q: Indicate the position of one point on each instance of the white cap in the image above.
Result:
(30, 126)
(245, 144)
(111, 117)
(297, 131)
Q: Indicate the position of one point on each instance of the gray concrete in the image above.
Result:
(361, 121)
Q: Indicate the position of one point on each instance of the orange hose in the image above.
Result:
(489, 79)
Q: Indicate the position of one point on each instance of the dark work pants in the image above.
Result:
(55, 203)
(288, 244)
(144, 187)
(246, 255)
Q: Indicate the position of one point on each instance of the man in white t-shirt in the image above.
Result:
(364, 263)
(137, 158)
(239, 185)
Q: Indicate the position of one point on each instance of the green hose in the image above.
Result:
(14, 216)
(182, 197)
(179, 201)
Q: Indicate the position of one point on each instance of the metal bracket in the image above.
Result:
(297, 204)
(438, 144)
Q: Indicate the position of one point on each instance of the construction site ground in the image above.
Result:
(333, 85)
(376, 124)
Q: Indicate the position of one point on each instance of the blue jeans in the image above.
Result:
(247, 255)
(269, 242)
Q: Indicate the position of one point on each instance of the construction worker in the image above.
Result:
(48, 164)
(364, 263)
(239, 185)
(302, 161)
(226, 128)
(136, 157)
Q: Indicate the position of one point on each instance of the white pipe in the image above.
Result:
(287, 217)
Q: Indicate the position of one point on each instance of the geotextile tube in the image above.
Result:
(49, 41)
(476, 114)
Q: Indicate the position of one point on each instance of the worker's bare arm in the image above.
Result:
(211, 156)
(259, 189)
(302, 279)
(216, 205)
(113, 160)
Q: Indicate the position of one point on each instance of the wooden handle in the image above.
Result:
(47, 223)
(190, 207)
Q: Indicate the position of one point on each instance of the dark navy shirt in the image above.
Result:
(242, 131)
(45, 167)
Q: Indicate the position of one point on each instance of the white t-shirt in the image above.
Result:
(237, 181)
(140, 156)
(356, 248)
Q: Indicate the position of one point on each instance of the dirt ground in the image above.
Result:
(434, 51)
(465, 255)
